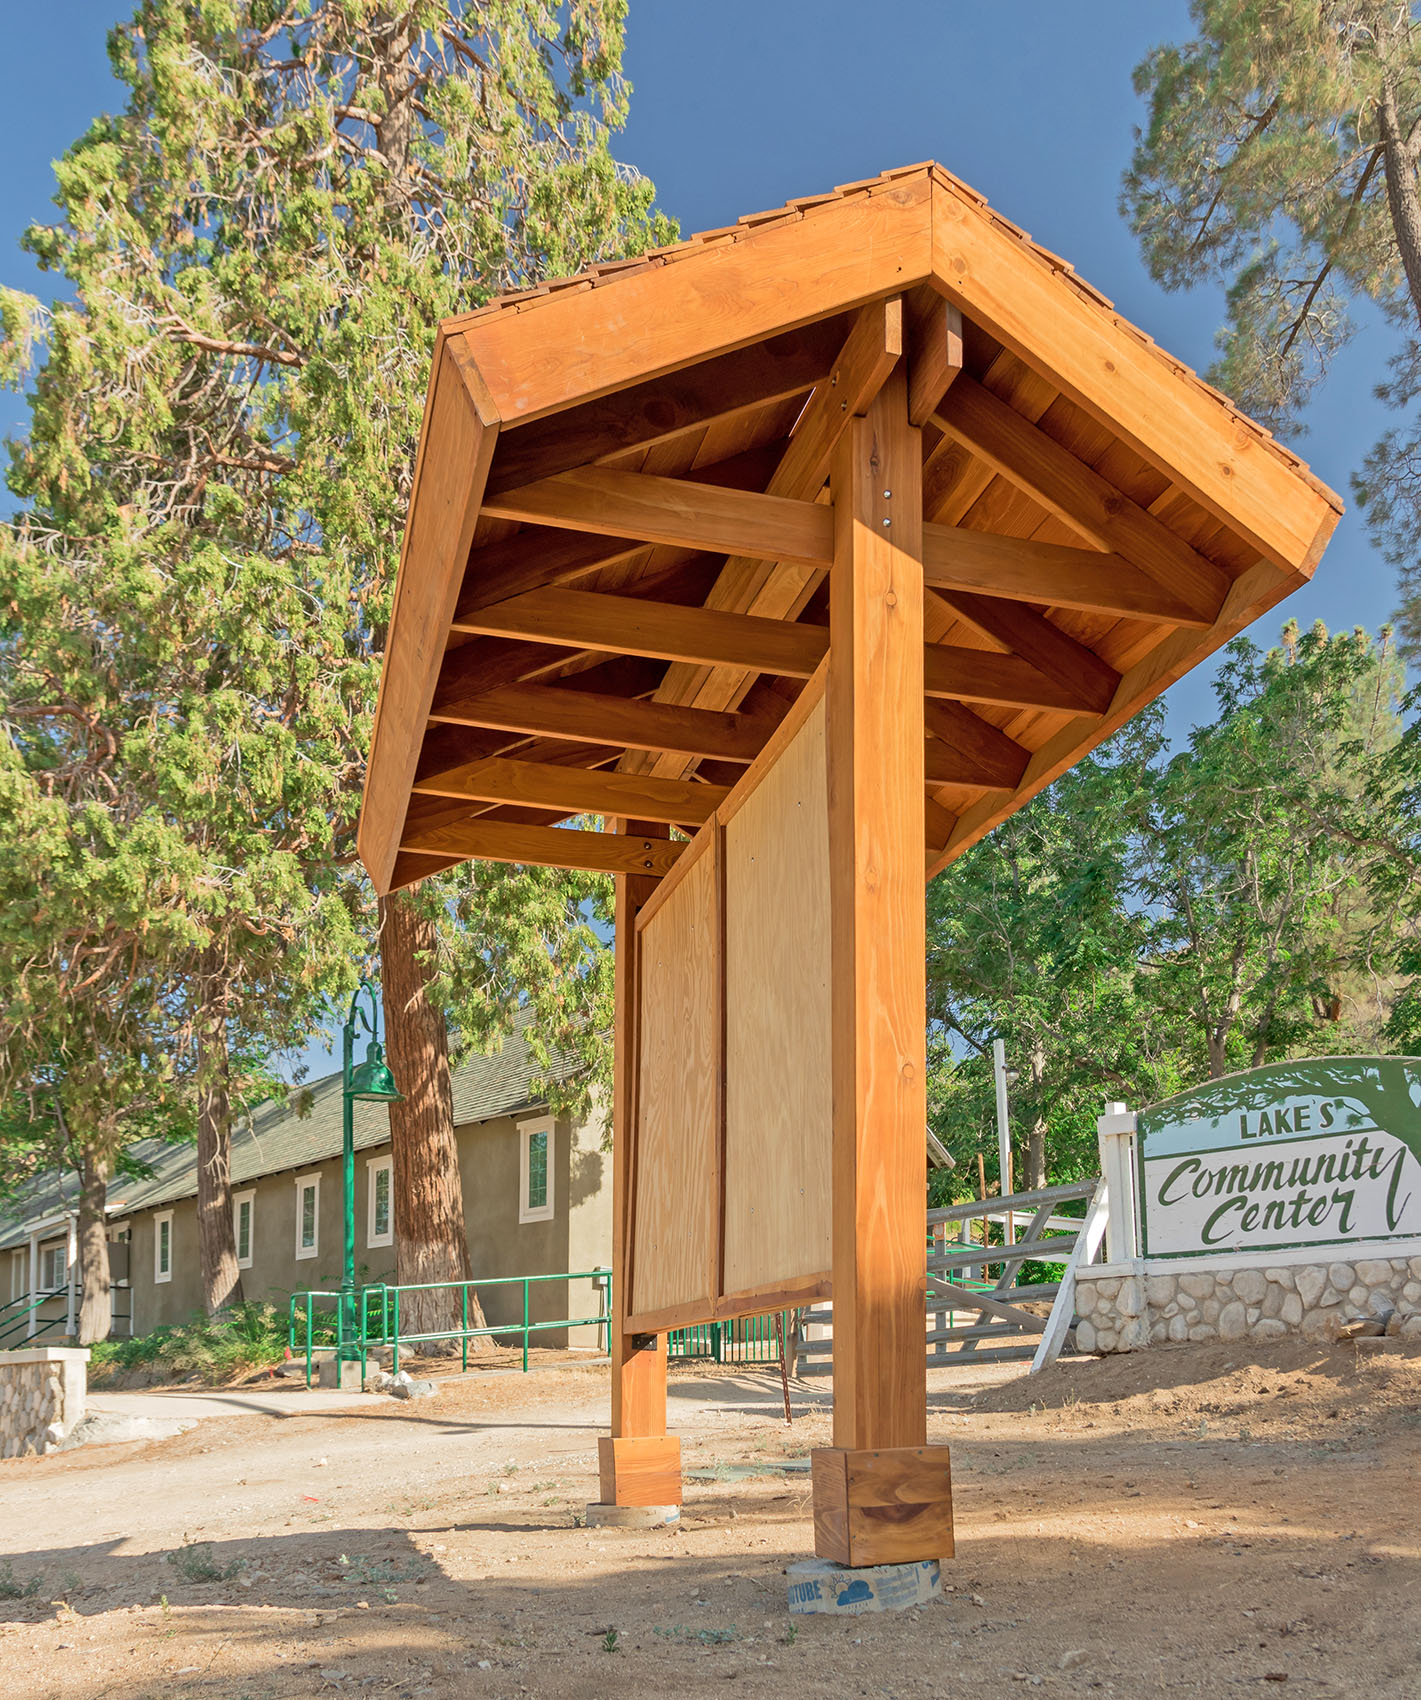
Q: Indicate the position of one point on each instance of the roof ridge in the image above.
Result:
(809, 206)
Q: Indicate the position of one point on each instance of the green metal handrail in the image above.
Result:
(31, 1302)
(377, 1317)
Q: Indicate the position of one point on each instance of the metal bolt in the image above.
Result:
(888, 522)
(888, 495)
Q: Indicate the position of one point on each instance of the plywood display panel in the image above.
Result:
(777, 1077)
(676, 1206)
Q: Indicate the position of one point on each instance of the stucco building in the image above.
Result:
(537, 1201)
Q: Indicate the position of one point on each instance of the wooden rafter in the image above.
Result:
(986, 755)
(547, 711)
(701, 395)
(699, 517)
(591, 620)
(1020, 569)
(1076, 493)
(934, 352)
(545, 846)
(578, 790)
(1022, 631)
(630, 625)
(678, 511)
(779, 589)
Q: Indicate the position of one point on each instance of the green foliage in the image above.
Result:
(1264, 164)
(1151, 919)
(213, 1349)
(194, 1563)
(1280, 159)
(257, 251)
(12, 1588)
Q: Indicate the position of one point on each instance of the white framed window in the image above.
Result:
(243, 1219)
(163, 1246)
(535, 1170)
(380, 1201)
(308, 1215)
(53, 1266)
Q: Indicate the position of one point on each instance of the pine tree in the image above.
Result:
(1280, 158)
(223, 430)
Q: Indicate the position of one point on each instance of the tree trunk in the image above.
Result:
(1036, 1139)
(216, 1239)
(430, 1240)
(95, 1311)
(1403, 202)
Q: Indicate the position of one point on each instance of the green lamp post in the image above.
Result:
(372, 1082)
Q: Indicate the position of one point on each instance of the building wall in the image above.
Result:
(276, 1270)
(578, 1236)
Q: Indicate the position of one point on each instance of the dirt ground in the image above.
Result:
(1193, 1521)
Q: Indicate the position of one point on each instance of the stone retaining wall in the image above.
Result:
(1122, 1313)
(42, 1394)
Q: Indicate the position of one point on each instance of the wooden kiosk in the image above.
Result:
(803, 552)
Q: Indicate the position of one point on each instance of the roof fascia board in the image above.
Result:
(460, 430)
(1127, 384)
(577, 344)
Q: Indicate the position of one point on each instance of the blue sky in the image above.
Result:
(740, 104)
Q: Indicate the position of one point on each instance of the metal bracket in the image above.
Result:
(644, 1342)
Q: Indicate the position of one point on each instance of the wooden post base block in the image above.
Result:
(888, 1507)
(640, 1471)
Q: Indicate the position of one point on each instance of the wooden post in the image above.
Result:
(880, 1495)
(639, 1464)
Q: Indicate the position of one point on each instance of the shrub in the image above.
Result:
(215, 1349)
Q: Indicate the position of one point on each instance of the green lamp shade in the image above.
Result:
(372, 1079)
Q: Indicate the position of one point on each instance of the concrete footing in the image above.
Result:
(344, 1374)
(820, 1585)
(632, 1516)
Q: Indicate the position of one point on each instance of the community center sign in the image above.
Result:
(1321, 1152)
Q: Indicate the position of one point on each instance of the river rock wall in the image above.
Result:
(42, 1394)
(1122, 1313)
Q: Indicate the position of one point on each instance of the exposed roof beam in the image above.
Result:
(1019, 569)
(1024, 632)
(579, 790)
(679, 511)
(780, 589)
(549, 711)
(697, 516)
(629, 625)
(983, 754)
(1076, 493)
(934, 352)
(774, 370)
(584, 619)
(546, 846)
(542, 555)
(979, 675)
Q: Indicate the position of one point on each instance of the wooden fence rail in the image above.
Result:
(996, 1325)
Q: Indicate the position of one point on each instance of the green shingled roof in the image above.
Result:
(275, 1138)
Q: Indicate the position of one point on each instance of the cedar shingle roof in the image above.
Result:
(806, 206)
